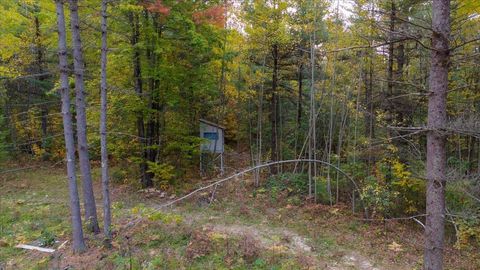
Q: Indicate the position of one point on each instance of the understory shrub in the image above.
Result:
(295, 184)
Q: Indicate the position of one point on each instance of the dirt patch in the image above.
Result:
(286, 241)
(200, 244)
(353, 261)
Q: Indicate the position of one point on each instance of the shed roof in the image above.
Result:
(211, 123)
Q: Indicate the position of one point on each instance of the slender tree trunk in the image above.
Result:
(88, 196)
(341, 132)
(391, 38)
(390, 107)
(137, 76)
(331, 131)
(312, 126)
(274, 109)
(370, 113)
(107, 216)
(299, 104)
(369, 102)
(436, 140)
(312, 136)
(152, 128)
(259, 141)
(77, 231)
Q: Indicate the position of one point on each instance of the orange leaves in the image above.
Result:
(213, 15)
(158, 7)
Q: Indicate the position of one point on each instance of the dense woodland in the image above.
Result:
(385, 94)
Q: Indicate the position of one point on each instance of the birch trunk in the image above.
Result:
(88, 196)
(103, 130)
(436, 140)
(78, 242)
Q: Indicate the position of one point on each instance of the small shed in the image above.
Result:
(215, 134)
(213, 146)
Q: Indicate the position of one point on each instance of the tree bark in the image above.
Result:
(153, 119)
(77, 231)
(436, 140)
(274, 109)
(391, 40)
(369, 104)
(107, 216)
(137, 76)
(299, 104)
(88, 196)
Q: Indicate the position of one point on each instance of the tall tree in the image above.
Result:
(138, 85)
(274, 39)
(78, 242)
(103, 129)
(88, 196)
(436, 140)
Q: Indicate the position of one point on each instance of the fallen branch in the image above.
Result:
(235, 176)
(255, 168)
(62, 245)
(29, 247)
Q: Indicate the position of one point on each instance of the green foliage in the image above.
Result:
(392, 191)
(321, 189)
(192, 66)
(293, 183)
(468, 230)
(165, 217)
(357, 170)
(118, 175)
(410, 190)
(126, 261)
(47, 238)
(377, 198)
(164, 174)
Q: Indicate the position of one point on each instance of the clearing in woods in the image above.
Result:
(243, 228)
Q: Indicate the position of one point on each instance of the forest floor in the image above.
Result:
(242, 228)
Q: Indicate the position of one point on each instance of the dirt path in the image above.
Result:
(284, 240)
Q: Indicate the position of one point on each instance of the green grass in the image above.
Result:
(34, 208)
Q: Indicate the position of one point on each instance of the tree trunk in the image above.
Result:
(274, 109)
(312, 126)
(137, 76)
(299, 104)
(259, 140)
(390, 107)
(88, 196)
(391, 39)
(436, 152)
(78, 242)
(107, 217)
(152, 128)
(369, 104)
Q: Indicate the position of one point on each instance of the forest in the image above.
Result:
(240, 134)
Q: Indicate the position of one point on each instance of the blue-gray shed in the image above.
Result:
(214, 143)
(215, 134)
